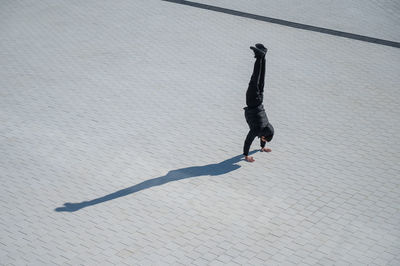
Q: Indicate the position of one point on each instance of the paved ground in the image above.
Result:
(131, 111)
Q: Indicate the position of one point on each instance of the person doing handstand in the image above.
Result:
(255, 114)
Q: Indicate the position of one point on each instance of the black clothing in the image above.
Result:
(255, 91)
(262, 47)
(255, 114)
(268, 132)
(258, 52)
(249, 139)
(256, 117)
(259, 126)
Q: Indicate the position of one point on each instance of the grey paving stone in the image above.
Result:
(125, 110)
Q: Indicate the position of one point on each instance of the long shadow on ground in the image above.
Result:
(221, 168)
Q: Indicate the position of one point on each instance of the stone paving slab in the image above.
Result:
(379, 19)
(122, 130)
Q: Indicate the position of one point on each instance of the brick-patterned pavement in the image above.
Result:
(122, 128)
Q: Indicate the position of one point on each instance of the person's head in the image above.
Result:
(267, 133)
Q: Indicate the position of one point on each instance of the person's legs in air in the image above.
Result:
(254, 94)
(262, 75)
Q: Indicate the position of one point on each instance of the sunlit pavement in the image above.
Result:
(122, 131)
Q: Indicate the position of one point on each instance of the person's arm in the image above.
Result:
(247, 143)
(262, 144)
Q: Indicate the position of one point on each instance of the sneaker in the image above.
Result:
(258, 53)
(261, 47)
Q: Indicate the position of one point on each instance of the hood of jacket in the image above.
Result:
(267, 132)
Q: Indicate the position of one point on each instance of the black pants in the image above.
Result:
(255, 91)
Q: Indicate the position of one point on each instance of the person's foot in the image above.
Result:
(261, 47)
(258, 53)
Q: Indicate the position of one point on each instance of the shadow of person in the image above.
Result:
(221, 168)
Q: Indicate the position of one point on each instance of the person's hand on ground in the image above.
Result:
(249, 159)
(266, 149)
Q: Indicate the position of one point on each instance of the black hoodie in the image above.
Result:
(259, 126)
